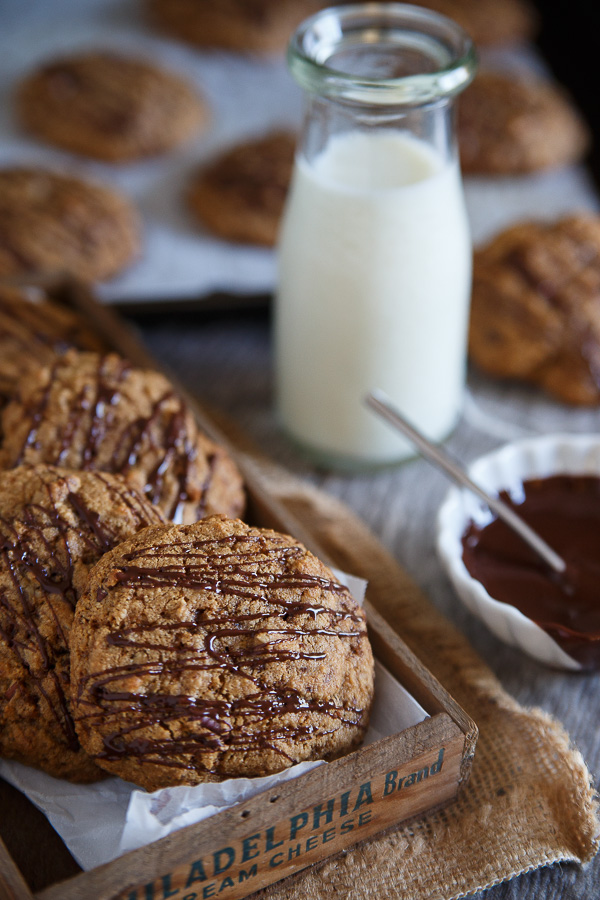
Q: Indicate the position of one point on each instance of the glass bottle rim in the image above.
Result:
(317, 39)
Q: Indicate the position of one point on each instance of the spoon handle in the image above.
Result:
(379, 402)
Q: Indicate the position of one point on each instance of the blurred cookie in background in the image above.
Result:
(266, 26)
(240, 195)
(512, 125)
(535, 310)
(490, 22)
(109, 107)
(33, 332)
(255, 26)
(52, 224)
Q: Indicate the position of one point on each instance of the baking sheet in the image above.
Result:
(247, 97)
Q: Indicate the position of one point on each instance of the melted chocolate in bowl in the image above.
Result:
(565, 511)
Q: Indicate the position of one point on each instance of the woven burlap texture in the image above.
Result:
(529, 801)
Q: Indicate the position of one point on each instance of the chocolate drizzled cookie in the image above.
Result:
(33, 332)
(240, 196)
(267, 25)
(217, 650)
(109, 107)
(510, 125)
(52, 224)
(93, 412)
(259, 26)
(535, 311)
(54, 525)
(490, 22)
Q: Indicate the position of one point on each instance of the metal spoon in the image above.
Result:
(381, 403)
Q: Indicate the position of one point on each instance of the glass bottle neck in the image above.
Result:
(381, 54)
(325, 119)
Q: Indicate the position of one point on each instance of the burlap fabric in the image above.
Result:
(529, 801)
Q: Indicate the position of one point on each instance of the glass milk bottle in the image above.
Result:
(374, 254)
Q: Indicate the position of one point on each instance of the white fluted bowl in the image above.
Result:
(506, 469)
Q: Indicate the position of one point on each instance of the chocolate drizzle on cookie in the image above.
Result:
(268, 627)
(41, 545)
(157, 445)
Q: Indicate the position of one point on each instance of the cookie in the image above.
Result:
(109, 107)
(88, 411)
(52, 224)
(33, 331)
(490, 22)
(535, 311)
(54, 526)
(509, 125)
(257, 26)
(265, 26)
(241, 195)
(215, 651)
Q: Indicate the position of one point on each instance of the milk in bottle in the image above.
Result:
(374, 282)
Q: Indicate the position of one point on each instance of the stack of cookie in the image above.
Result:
(201, 648)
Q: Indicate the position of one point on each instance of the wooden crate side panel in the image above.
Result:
(276, 833)
(412, 674)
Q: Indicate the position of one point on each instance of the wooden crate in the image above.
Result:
(302, 821)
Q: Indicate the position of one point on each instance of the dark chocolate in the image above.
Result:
(565, 511)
